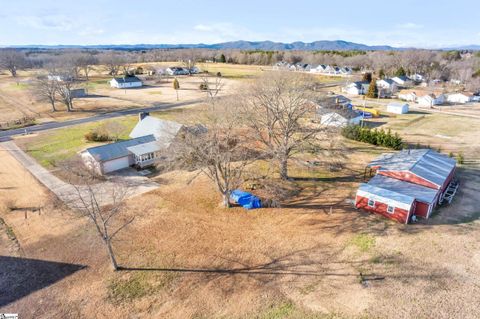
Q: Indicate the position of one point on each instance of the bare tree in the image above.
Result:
(211, 87)
(103, 207)
(46, 90)
(65, 85)
(86, 62)
(276, 109)
(12, 60)
(219, 149)
(112, 62)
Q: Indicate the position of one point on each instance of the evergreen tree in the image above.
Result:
(367, 77)
(372, 89)
(381, 73)
(176, 86)
(400, 72)
(222, 58)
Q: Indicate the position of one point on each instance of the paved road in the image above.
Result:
(68, 193)
(5, 135)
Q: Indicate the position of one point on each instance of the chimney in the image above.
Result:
(142, 115)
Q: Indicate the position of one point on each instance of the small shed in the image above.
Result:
(397, 108)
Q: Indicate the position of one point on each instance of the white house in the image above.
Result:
(430, 99)
(357, 88)
(397, 108)
(407, 95)
(149, 138)
(462, 97)
(114, 156)
(340, 120)
(126, 82)
(418, 78)
(402, 80)
(387, 84)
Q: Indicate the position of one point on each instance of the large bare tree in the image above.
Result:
(12, 60)
(46, 89)
(277, 107)
(219, 148)
(104, 206)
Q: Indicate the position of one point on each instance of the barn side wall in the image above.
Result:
(421, 209)
(400, 215)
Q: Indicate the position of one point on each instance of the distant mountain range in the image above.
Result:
(337, 45)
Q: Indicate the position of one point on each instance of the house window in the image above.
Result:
(390, 209)
(371, 203)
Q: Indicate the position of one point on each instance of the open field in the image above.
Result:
(317, 257)
(185, 257)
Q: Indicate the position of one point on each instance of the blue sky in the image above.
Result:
(419, 23)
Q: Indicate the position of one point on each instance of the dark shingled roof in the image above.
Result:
(128, 79)
(112, 151)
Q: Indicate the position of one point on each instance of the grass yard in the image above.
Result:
(233, 71)
(61, 144)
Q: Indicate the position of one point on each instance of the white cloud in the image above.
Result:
(410, 25)
(49, 22)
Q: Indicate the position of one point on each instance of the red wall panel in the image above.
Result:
(399, 215)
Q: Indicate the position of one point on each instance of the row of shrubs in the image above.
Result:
(375, 137)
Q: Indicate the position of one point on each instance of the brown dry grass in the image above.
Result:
(270, 263)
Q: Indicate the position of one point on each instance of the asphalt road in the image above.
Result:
(6, 135)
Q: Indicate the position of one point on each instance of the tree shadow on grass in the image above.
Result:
(20, 277)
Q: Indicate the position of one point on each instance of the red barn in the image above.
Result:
(408, 183)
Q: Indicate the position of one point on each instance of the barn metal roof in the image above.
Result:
(386, 196)
(115, 150)
(425, 163)
(420, 193)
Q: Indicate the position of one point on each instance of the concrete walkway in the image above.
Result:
(68, 193)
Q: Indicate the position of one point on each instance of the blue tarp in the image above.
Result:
(246, 200)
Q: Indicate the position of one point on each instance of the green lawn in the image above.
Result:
(57, 145)
(61, 144)
(233, 71)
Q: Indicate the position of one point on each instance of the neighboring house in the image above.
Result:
(195, 70)
(407, 95)
(462, 97)
(176, 70)
(430, 99)
(397, 108)
(340, 118)
(321, 68)
(126, 82)
(417, 78)
(422, 97)
(387, 84)
(333, 100)
(408, 183)
(114, 156)
(345, 70)
(59, 77)
(357, 88)
(402, 80)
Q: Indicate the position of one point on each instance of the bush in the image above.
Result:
(203, 86)
(95, 136)
(219, 74)
(460, 158)
(375, 137)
